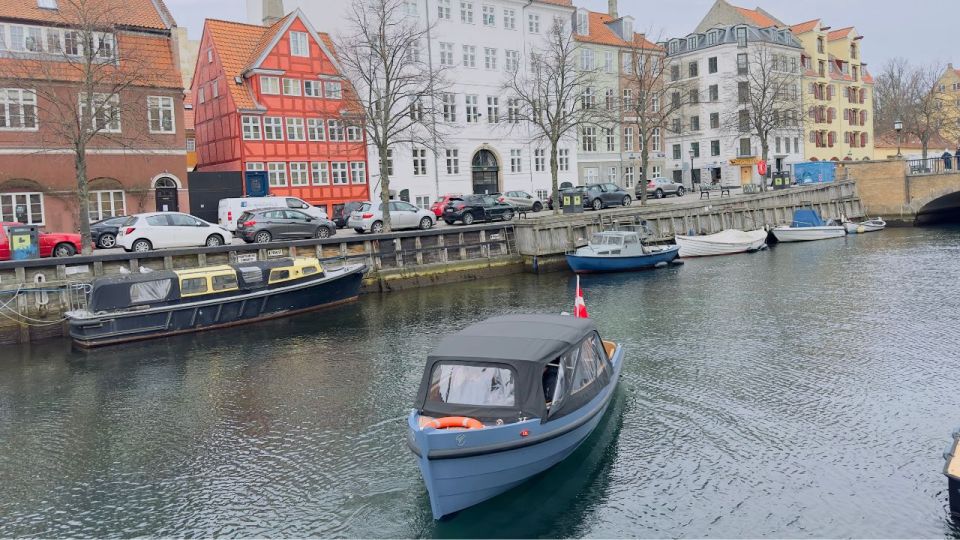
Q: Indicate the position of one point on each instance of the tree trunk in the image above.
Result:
(925, 142)
(83, 196)
(385, 188)
(554, 177)
(644, 157)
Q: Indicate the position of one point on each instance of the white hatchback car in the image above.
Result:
(403, 215)
(145, 232)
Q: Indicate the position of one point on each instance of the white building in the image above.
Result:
(480, 39)
(701, 145)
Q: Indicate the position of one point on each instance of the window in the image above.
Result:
(18, 109)
(273, 128)
(423, 202)
(516, 163)
(741, 37)
(586, 60)
(479, 386)
(299, 46)
(446, 54)
(539, 160)
(335, 128)
(609, 99)
(743, 118)
(589, 139)
(714, 148)
(106, 112)
(339, 170)
(489, 58)
(419, 161)
(493, 109)
(449, 107)
(628, 176)
(295, 129)
(312, 88)
(106, 204)
(469, 56)
(200, 95)
(333, 90)
(269, 85)
(676, 125)
(453, 161)
(354, 133)
(510, 19)
(225, 282)
(628, 139)
(251, 128)
(694, 96)
(472, 108)
(255, 166)
(26, 208)
(743, 92)
(611, 139)
(489, 18)
(511, 61)
(298, 174)
(563, 159)
(694, 123)
(191, 145)
(626, 63)
(675, 100)
(655, 140)
(714, 120)
(443, 10)
(358, 172)
(608, 64)
(277, 174)
(820, 45)
(320, 173)
(655, 103)
(591, 175)
(587, 99)
(786, 142)
(742, 68)
(676, 151)
(410, 8)
(675, 72)
(316, 130)
(695, 149)
(714, 92)
(712, 64)
(160, 114)
(215, 88)
(466, 12)
(777, 145)
(416, 109)
(533, 23)
(745, 147)
(627, 98)
(693, 69)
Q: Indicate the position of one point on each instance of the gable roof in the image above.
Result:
(804, 27)
(148, 14)
(599, 32)
(839, 34)
(758, 17)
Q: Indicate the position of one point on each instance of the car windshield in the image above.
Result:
(490, 386)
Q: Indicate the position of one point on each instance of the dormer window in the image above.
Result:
(712, 38)
(627, 29)
(674, 47)
(47, 4)
(741, 37)
(582, 25)
(691, 43)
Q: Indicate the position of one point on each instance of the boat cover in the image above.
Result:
(806, 217)
(121, 292)
(525, 343)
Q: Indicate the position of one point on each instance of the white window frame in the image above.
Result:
(273, 124)
(470, 56)
(489, 15)
(108, 196)
(295, 129)
(354, 133)
(299, 44)
(269, 86)
(100, 101)
(419, 161)
(339, 173)
(533, 23)
(277, 174)
(516, 160)
(299, 174)
(320, 173)
(490, 58)
(159, 109)
(336, 131)
(250, 123)
(509, 19)
(453, 161)
(539, 160)
(313, 89)
(333, 90)
(316, 130)
(358, 173)
(563, 159)
(466, 12)
(443, 10)
(288, 87)
(19, 98)
(446, 54)
(9, 200)
(255, 166)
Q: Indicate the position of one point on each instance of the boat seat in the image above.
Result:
(610, 347)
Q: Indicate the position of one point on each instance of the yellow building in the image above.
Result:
(949, 85)
(837, 94)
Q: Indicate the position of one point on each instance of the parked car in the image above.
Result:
(599, 196)
(229, 210)
(262, 226)
(522, 200)
(342, 215)
(403, 215)
(104, 232)
(51, 244)
(470, 208)
(438, 206)
(145, 232)
(660, 187)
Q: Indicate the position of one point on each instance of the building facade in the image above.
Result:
(137, 162)
(949, 86)
(478, 43)
(271, 99)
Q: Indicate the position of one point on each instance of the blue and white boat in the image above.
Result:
(506, 399)
(619, 251)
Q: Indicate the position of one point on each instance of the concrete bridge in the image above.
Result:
(907, 192)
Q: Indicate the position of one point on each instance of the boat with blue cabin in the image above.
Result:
(506, 399)
(619, 251)
(807, 225)
(162, 303)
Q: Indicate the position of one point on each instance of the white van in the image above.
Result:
(229, 210)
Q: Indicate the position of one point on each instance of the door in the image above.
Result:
(613, 194)
(186, 231)
(486, 173)
(491, 208)
(746, 175)
(299, 224)
(159, 231)
(276, 222)
(406, 214)
(167, 197)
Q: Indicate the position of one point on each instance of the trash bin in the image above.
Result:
(24, 242)
(572, 202)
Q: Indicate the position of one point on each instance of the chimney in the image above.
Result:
(272, 11)
(612, 9)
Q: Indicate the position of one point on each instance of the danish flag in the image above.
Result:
(579, 306)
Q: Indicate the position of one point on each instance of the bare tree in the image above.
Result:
(768, 100)
(911, 94)
(83, 84)
(397, 92)
(551, 98)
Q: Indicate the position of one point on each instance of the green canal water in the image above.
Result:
(806, 391)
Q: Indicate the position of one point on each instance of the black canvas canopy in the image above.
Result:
(523, 343)
(120, 292)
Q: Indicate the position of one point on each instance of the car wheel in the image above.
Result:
(537, 207)
(508, 215)
(658, 193)
(141, 246)
(322, 232)
(214, 240)
(377, 227)
(107, 241)
(680, 191)
(262, 237)
(468, 218)
(626, 200)
(64, 250)
(449, 221)
(426, 223)
(597, 204)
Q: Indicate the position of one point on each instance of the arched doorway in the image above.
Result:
(486, 172)
(168, 199)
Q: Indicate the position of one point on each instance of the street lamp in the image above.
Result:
(691, 168)
(898, 127)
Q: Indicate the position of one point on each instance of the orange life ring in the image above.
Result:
(455, 422)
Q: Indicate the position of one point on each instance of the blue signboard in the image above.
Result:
(814, 172)
(256, 184)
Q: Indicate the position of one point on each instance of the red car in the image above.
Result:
(441, 203)
(51, 244)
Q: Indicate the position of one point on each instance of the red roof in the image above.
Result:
(601, 34)
(151, 14)
(839, 34)
(757, 17)
(805, 27)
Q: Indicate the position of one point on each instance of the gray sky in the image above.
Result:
(920, 30)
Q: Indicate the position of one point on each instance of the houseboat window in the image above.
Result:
(309, 270)
(150, 291)
(589, 364)
(225, 282)
(279, 275)
(193, 286)
(472, 385)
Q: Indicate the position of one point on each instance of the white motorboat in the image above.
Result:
(722, 243)
(806, 226)
(871, 225)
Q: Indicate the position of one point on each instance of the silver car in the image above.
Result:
(403, 215)
(660, 187)
(522, 200)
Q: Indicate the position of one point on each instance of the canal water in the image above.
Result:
(806, 391)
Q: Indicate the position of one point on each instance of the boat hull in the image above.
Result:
(463, 468)
(721, 244)
(865, 227)
(597, 264)
(334, 288)
(807, 234)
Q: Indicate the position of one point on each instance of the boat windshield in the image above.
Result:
(484, 386)
(606, 240)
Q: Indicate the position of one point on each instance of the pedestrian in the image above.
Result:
(957, 156)
(947, 160)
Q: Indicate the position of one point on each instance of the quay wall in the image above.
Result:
(886, 189)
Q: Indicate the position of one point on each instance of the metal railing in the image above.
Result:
(934, 165)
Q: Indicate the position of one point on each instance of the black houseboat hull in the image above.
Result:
(335, 288)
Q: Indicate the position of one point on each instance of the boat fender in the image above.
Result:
(661, 264)
(677, 262)
(455, 422)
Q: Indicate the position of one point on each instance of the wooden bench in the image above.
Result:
(705, 189)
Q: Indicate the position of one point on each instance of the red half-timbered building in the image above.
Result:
(273, 99)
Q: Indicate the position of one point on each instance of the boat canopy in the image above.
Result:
(498, 369)
(122, 292)
(806, 217)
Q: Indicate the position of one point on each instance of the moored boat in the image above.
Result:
(807, 225)
(619, 251)
(143, 306)
(722, 243)
(870, 225)
(506, 399)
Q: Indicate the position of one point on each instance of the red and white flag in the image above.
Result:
(579, 306)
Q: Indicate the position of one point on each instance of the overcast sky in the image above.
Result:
(920, 30)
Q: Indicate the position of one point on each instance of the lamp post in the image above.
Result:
(898, 127)
(691, 168)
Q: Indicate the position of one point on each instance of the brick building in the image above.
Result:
(138, 162)
(271, 98)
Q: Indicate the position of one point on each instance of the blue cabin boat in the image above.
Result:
(619, 251)
(506, 399)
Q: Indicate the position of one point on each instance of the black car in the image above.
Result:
(470, 208)
(342, 213)
(104, 232)
(268, 224)
(599, 196)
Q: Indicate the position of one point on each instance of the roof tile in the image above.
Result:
(839, 34)
(134, 13)
(756, 17)
(601, 34)
(804, 27)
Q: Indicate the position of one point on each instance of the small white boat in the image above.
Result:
(871, 225)
(806, 226)
(722, 243)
